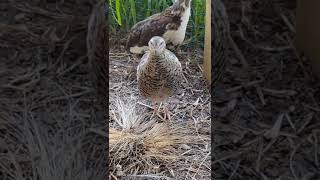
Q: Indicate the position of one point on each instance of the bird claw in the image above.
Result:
(162, 118)
(167, 115)
(165, 111)
(157, 113)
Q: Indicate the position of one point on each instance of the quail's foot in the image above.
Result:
(155, 110)
(154, 107)
(167, 115)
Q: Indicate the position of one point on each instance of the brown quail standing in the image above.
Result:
(159, 74)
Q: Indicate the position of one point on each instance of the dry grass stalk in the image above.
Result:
(140, 147)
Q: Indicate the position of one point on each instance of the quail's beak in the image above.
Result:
(158, 49)
(152, 49)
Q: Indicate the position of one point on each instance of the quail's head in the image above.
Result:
(157, 44)
(183, 3)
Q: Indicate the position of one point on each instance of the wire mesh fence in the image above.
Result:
(123, 14)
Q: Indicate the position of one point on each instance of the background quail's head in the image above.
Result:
(157, 45)
(183, 3)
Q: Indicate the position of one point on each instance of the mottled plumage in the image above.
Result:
(170, 24)
(159, 72)
(220, 38)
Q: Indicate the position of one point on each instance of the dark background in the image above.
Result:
(266, 116)
(51, 105)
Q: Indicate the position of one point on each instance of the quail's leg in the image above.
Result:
(155, 109)
(167, 114)
(154, 105)
(166, 111)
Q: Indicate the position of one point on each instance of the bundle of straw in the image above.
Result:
(143, 146)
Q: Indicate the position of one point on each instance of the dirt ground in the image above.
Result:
(266, 117)
(191, 109)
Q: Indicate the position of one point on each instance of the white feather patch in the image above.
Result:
(177, 37)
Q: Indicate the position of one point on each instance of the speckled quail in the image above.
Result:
(159, 73)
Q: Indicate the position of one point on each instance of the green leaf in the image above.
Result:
(133, 11)
(149, 8)
(118, 12)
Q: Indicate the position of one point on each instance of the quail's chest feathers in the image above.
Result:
(157, 63)
(158, 75)
(156, 69)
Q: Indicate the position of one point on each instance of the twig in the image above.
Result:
(99, 132)
(274, 131)
(291, 163)
(261, 96)
(310, 107)
(145, 105)
(201, 164)
(290, 42)
(235, 169)
(113, 176)
(314, 133)
(238, 52)
(252, 83)
(232, 155)
(279, 93)
(150, 176)
(306, 121)
(287, 22)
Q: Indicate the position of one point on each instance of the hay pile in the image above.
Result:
(141, 146)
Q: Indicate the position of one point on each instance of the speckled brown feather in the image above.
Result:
(159, 77)
(155, 25)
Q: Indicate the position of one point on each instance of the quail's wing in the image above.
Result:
(141, 66)
(175, 63)
(174, 70)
